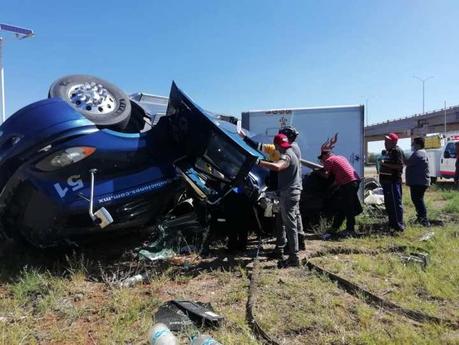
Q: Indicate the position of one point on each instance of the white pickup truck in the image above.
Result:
(442, 160)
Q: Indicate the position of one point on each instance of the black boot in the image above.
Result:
(301, 244)
(292, 261)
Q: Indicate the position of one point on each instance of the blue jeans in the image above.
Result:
(417, 197)
(393, 202)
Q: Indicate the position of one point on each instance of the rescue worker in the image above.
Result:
(390, 177)
(273, 155)
(346, 182)
(418, 179)
(289, 188)
(292, 134)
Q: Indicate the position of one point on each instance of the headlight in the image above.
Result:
(64, 158)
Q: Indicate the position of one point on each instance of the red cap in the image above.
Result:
(392, 137)
(282, 141)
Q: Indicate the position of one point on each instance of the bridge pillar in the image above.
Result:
(365, 150)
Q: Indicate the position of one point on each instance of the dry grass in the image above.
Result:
(54, 301)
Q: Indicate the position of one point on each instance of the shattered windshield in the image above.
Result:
(224, 156)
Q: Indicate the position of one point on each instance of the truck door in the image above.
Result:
(448, 161)
(215, 159)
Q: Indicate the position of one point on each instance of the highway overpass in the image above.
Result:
(415, 125)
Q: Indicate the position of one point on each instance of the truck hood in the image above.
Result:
(33, 127)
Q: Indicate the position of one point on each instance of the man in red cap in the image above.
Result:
(390, 177)
(289, 187)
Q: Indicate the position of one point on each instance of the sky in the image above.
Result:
(234, 56)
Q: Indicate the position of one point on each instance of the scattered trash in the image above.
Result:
(173, 317)
(158, 256)
(374, 197)
(174, 234)
(134, 280)
(202, 314)
(427, 236)
(420, 258)
(204, 340)
(179, 315)
(160, 334)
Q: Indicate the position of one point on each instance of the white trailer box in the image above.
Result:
(315, 125)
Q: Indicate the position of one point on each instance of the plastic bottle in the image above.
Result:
(160, 334)
(204, 340)
(134, 280)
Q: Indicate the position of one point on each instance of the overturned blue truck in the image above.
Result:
(90, 160)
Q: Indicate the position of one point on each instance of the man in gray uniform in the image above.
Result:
(292, 134)
(289, 188)
(269, 149)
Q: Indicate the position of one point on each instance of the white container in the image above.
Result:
(204, 340)
(160, 334)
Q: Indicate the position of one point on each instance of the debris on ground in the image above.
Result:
(134, 280)
(173, 317)
(374, 197)
(184, 315)
(419, 258)
(157, 256)
(204, 339)
(427, 236)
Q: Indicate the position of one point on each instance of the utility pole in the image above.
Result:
(423, 90)
(20, 33)
(445, 121)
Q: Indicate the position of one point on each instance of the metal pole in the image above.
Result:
(445, 119)
(423, 96)
(423, 90)
(2, 84)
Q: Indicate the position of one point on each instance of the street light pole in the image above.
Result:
(423, 90)
(20, 33)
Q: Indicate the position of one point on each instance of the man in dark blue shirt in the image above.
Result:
(418, 179)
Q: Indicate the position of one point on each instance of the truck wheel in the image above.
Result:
(433, 180)
(96, 99)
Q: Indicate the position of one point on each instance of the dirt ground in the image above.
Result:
(73, 297)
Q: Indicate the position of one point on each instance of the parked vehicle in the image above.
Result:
(91, 146)
(442, 160)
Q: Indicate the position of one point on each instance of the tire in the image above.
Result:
(433, 180)
(107, 105)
